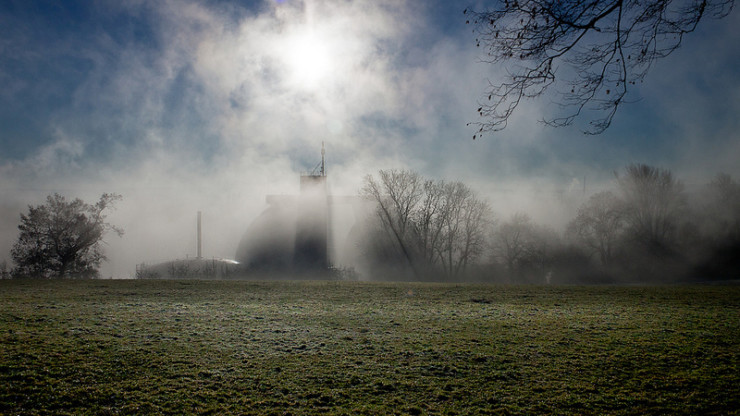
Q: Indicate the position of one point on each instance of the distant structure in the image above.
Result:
(293, 238)
(191, 268)
(200, 240)
(312, 232)
(295, 233)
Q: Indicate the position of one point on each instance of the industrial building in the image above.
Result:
(294, 237)
(294, 233)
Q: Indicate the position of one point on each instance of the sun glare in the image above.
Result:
(309, 59)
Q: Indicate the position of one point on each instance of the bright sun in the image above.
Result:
(309, 59)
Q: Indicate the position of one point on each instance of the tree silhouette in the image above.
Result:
(522, 245)
(590, 51)
(654, 203)
(397, 194)
(598, 225)
(62, 239)
(512, 240)
(436, 225)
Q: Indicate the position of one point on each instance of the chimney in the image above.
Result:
(199, 236)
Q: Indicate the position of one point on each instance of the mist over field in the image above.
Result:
(194, 106)
(305, 207)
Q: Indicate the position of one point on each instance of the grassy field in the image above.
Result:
(210, 347)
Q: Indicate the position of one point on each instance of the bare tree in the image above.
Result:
(539, 250)
(436, 225)
(62, 239)
(598, 225)
(477, 218)
(463, 223)
(397, 195)
(429, 220)
(511, 240)
(653, 203)
(524, 247)
(591, 51)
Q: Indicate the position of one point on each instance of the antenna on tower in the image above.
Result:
(199, 236)
(323, 152)
(320, 167)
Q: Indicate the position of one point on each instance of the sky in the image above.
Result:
(185, 106)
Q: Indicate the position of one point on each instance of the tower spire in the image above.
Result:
(323, 152)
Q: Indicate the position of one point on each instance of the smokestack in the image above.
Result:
(199, 236)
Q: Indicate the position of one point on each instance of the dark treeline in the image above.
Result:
(646, 229)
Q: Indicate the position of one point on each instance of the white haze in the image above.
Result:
(222, 114)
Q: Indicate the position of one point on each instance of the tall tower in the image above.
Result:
(311, 242)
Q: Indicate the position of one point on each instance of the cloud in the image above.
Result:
(207, 115)
(183, 106)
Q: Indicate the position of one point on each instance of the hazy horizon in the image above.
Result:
(187, 106)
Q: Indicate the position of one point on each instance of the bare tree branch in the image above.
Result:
(594, 49)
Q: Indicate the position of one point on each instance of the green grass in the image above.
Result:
(209, 347)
